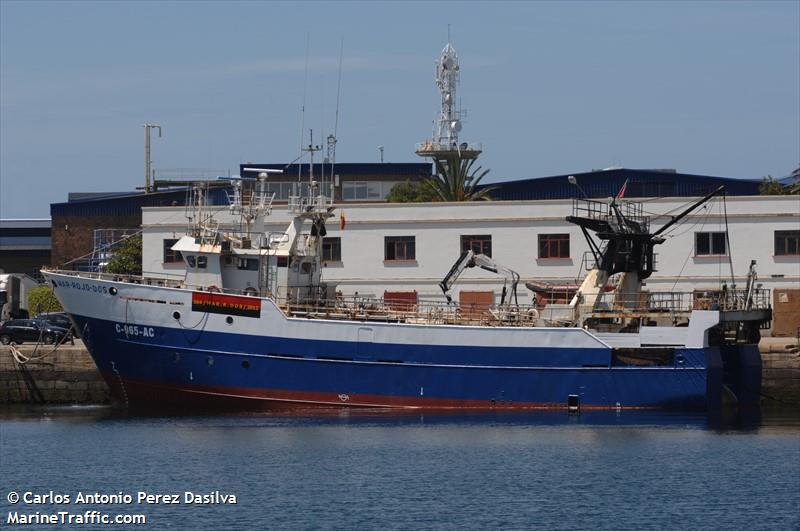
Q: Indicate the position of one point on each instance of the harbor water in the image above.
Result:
(347, 469)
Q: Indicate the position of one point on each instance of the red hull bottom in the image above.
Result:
(144, 394)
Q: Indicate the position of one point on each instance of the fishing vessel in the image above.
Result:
(253, 325)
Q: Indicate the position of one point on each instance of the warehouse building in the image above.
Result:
(410, 247)
(24, 246)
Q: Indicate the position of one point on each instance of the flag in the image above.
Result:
(621, 192)
(342, 220)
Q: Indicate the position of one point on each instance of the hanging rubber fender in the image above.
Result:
(213, 289)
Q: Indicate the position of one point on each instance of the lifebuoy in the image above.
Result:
(213, 289)
(251, 291)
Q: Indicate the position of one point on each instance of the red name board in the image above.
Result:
(227, 304)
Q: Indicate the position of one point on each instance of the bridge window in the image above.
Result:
(554, 246)
(247, 264)
(170, 256)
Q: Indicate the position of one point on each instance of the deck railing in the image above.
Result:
(683, 301)
(423, 311)
(440, 312)
(592, 209)
(355, 307)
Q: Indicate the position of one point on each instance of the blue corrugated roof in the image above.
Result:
(606, 183)
(129, 204)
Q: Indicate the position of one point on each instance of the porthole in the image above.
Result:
(210, 361)
(229, 320)
(176, 315)
(245, 364)
(112, 290)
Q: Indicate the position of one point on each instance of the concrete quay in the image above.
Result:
(780, 371)
(63, 375)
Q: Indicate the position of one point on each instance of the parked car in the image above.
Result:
(21, 330)
(59, 319)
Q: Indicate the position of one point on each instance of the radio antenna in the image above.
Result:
(303, 108)
(333, 139)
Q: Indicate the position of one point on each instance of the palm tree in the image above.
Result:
(771, 186)
(794, 188)
(455, 180)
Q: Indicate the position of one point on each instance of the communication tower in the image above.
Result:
(447, 125)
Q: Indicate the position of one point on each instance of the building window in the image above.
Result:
(331, 249)
(366, 190)
(170, 256)
(787, 242)
(710, 244)
(478, 244)
(399, 248)
(554, 246)
(283, 190)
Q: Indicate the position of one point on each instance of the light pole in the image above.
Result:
(147, 162)
(572, 180)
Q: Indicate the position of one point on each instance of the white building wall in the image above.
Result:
(514, 227)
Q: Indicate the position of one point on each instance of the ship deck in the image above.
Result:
(733, 304)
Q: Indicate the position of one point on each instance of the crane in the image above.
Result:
(471, 259)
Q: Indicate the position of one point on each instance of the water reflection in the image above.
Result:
(751, 420)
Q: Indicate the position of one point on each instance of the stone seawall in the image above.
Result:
(780, 371)
(64, 375)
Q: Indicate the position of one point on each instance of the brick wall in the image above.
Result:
(73, 236)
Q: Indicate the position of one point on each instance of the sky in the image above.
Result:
(550, 88)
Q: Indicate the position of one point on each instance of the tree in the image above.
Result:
(412, 192)
(794, 188)
(42, 295)
(456, 180)
(770, 186)
(127, 257)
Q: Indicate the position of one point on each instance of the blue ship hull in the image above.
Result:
(192, 367)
